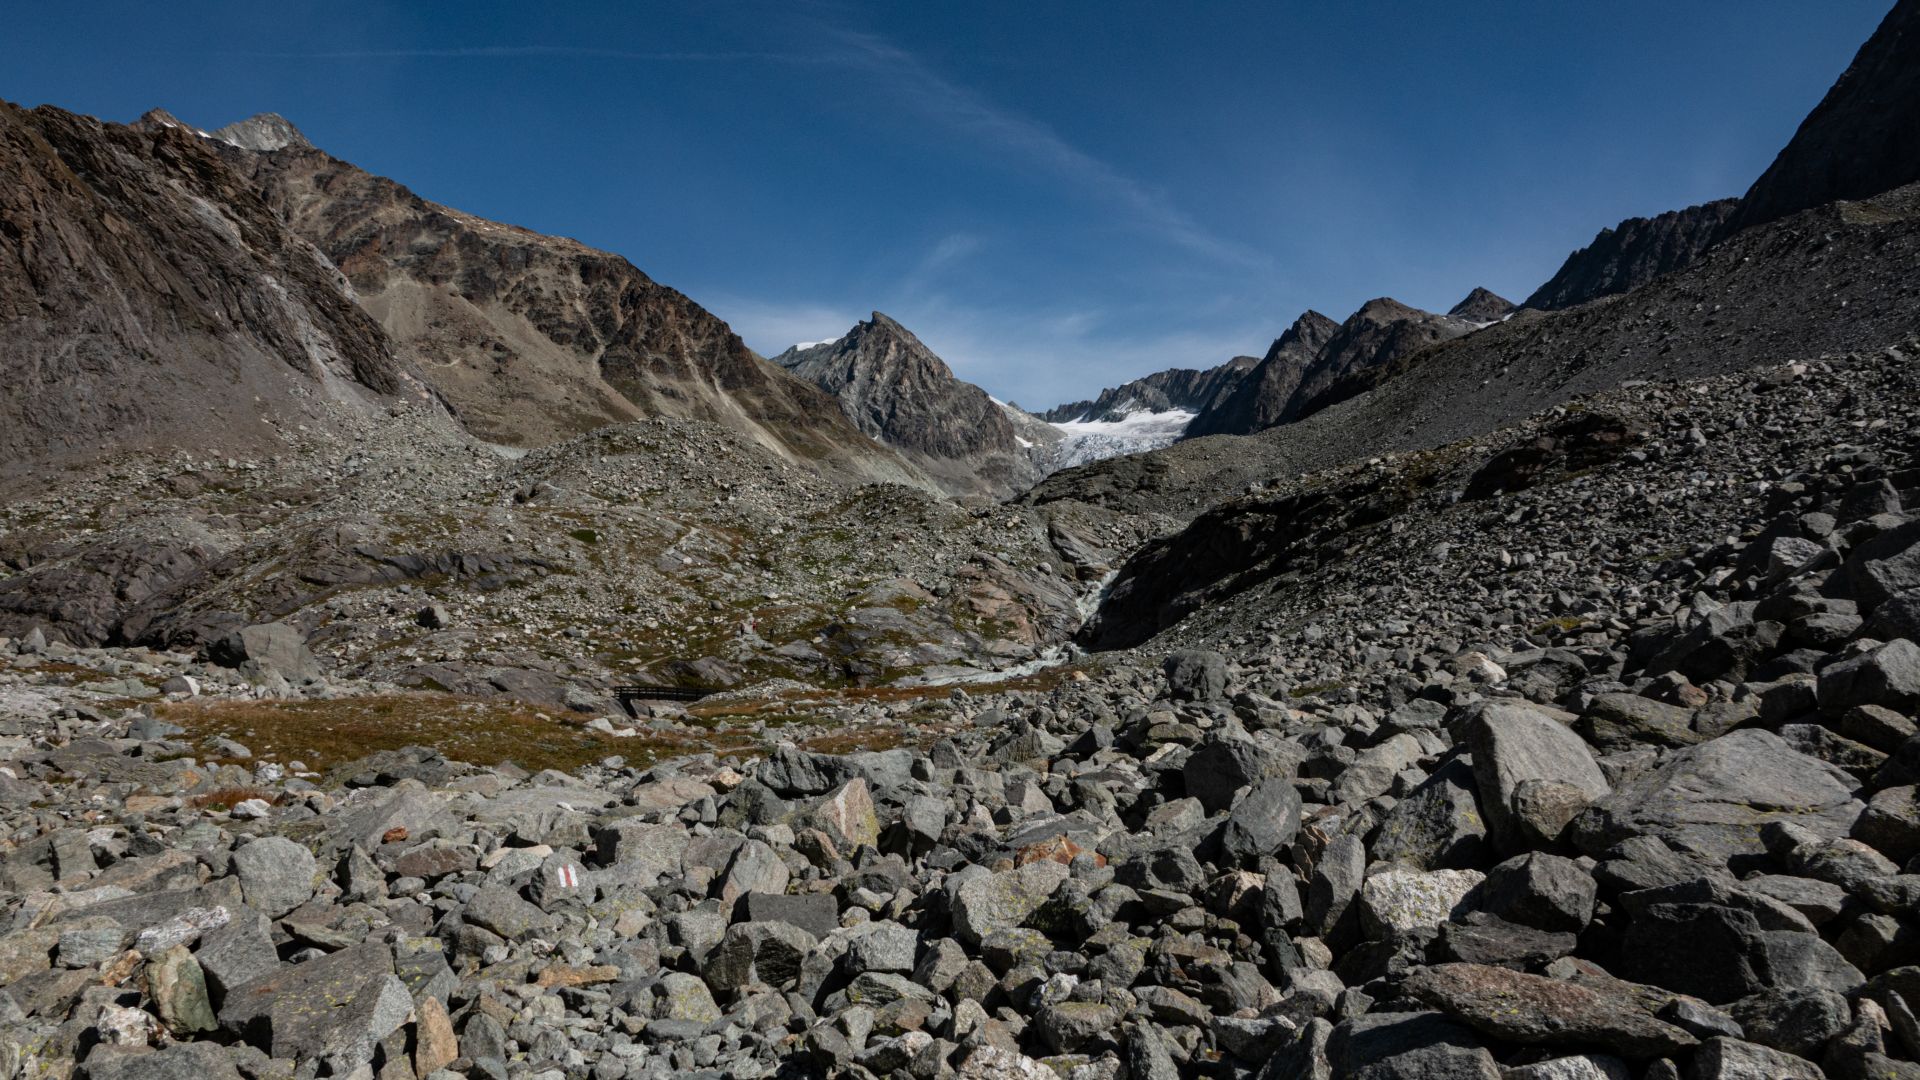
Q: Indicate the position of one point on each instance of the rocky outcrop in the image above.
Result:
(1314, 365)
(150, 299)
(1175, 389)
(1832, 280)
(1261, 397)
(1859, 141)
(893, 388)
(1633, 253)
(536, 338)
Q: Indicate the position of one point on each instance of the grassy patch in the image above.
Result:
(227, 798)
(322, 734)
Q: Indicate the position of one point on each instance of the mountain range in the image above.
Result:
(159, 274)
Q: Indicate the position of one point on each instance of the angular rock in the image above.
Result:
(1439, 826)
(1797, 1020)
(276, 874)
(769, 953)
(1408, 1046)
(1262, 822)
(1196, 675)
(1540, 890)
(1336, 880)
(1723, 1058)
(1537, 1011)
(1888, 676)
(816, 913)
(847, 815)
(179, 992)
(1397, 901)
(1712, 800)
(986, 902)
(1512, 744)
(506, 912)
(1220, 767)
(334, 1009)
(1624, 721)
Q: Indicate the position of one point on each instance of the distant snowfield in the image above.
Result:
(1139, 431)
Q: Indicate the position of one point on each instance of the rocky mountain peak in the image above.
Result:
(1308, 335)
(264, 132)
(883, 332)
(1482, 306)
(897, 390)
(1382, 309)
(157, 118)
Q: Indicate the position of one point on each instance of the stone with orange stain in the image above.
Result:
(434, 1044)
(1058, 849)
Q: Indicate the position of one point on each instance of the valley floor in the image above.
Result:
(1585, 748)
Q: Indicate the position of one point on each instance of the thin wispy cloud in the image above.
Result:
(964, 109)
(535, 52)
(912, 81)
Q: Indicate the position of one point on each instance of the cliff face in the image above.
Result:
(150, 299)
(1633, 253)
(1317, 363)
(1184, 389)
(1862, 139)
(537, 338)
(893, 388)
(1261, 397)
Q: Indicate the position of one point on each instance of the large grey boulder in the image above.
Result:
(1221, 766)
(1887, 676)
(1438, 826)
(333, 1009)
(1718, 942)
(1885, 565)
(276, 874)
(1734, 1059)
(179, 1061)
(1712, 800)
(267, 649)
(236, 954)
(1517, 749)
(985, 902)
(1536, 1011)
(1408, 1046)
(1196, 675)
(1264, 820)
(1625, 721)
(769, 953)
(1336, 881)
(1543, 891)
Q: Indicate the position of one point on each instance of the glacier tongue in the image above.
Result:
(1090, 440)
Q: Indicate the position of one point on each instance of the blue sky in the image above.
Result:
(1054, 196)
